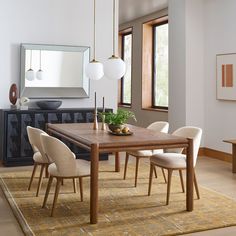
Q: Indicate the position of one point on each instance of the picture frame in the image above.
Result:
(226, 76)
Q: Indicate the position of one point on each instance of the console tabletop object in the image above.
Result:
(100, 141)
(233, 142)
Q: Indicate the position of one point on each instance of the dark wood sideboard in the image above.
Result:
(15, 149)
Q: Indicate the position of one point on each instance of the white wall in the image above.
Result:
(186, 63)
(177, 64)
(220, 37)
(63, 22)
(195, 98)
(199, 30)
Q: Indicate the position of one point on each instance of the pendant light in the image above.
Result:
(94, 69)
(114, 67)
(29, 75)
(39, 74)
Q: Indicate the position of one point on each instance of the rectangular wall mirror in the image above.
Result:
(53, 71)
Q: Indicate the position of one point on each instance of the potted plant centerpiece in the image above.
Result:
(116, 121)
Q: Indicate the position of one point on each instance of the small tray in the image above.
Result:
(120, 134)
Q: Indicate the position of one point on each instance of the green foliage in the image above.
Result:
(118, 118)
(161, 66)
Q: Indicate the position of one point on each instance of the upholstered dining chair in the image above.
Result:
(173, 159)
(160, 126)
(39, 157)
(64, 166)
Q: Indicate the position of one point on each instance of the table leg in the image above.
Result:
(233, 158)
(117, 162)
(189, 176)
(94, 184)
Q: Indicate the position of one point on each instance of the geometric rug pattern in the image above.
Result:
(123, 209)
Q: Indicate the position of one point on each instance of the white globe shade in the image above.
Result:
(114, 68)
(29, 75)
(94, 70)
(39, 75)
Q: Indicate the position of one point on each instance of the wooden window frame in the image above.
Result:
(148, 64)
(122, 35)
(153, 63)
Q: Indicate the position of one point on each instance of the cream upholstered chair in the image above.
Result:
(160, 126)
(65, 166)
(173, 159)
(39, 157)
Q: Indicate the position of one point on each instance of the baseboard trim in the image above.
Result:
(223, 156)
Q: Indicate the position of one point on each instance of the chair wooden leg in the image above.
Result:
(164, 175)
(196, 186)
(47, 191)
(62, 182)
(40, 179)
(181, 180)
(74, 185)
(126, 164)
(46, 171)
(81, 189)
(32, 176)
(59, 180)
(150, 178)
(155, 172)
(168, 186)
(136, 171)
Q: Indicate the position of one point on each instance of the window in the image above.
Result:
(155, 64)
(126, 54)
(160, 66)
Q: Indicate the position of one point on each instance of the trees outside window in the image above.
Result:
(125, 98)
(160, 66)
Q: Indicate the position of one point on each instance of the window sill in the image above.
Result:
(155, 109)
(124, 105)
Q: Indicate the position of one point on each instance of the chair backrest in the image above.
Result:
(61, 155)
(194, 133)
(161, 126)
(35, 141)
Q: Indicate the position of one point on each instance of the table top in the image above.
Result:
(83, 133)
(232, 141)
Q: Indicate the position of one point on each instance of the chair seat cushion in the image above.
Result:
(157, 151)
(82, 169)
(37, 157)
(169, 160)
(145, 153)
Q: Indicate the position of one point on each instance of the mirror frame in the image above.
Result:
(57, 92)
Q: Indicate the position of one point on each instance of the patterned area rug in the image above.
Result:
(123, 209)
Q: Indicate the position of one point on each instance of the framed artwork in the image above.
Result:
(226, 76)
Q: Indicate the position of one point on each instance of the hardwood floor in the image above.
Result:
(211, 173)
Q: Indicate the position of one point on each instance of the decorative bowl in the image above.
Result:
(113, 128)
(120, 134)
(49, 104)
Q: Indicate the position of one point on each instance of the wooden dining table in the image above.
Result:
(101, 141)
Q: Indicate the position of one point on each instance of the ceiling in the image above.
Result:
(133, 9)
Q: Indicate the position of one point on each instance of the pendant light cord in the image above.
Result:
(40, 59)
(30, 59)
(114, 11)
(94, 28)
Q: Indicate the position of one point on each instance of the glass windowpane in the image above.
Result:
(161, 66)
(127, 57)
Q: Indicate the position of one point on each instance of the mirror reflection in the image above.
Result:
(56, 69)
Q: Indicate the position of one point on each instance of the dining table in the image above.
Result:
(103, 141)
